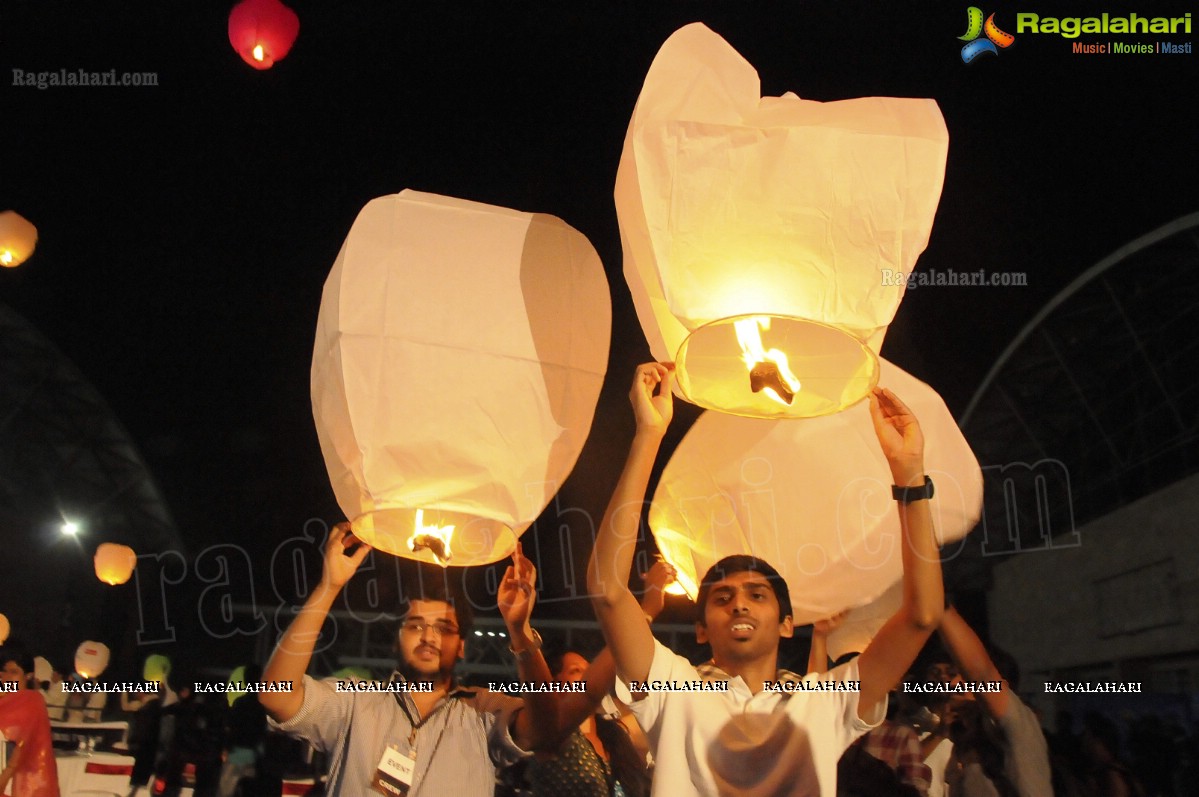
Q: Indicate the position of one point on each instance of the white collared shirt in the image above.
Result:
(682, 725)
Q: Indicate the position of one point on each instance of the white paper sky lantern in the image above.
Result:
(763, 235)
(459, 355)
(91, 658)
(114, 563)
(863, 622)
(18, 237)
(811, 497)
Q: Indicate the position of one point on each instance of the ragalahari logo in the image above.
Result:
(975, 27)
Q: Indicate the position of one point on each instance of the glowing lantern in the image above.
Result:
(17, 239)
(156, 668)
(114, 563)
(91, 658)
(5, 629)
(766, 239)
(811, 497)
(262, 31)
(863, 622)
(460, 351)
(237, 684)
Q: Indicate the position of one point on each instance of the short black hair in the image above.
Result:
(741, 563)
(432, 583)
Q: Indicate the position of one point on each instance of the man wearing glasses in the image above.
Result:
(429, 736)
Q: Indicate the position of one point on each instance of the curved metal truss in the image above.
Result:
(1096, 402)
(63, 452)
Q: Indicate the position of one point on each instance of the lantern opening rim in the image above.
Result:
(869, 358)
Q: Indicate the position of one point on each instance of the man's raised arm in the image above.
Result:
(883, 664)
(290, 659)
(974, 661)
(619, 614)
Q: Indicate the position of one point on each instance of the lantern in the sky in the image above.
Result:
(812, 497)
(114, 563)
(156, 668)
(262, 31)
(5, 629)
(459, 354)
(237, 684)
(91, 658)
(767, 239)
(18, 237)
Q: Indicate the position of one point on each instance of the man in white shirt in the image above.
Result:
(751, 739)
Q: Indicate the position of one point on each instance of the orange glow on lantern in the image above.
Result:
(114, 563)
(91, 659)
(5, 628)
(795, 212)
(262, 31)
(17, 239)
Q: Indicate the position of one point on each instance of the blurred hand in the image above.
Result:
(829, 624)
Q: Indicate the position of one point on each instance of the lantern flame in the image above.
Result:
(258, 54)
(6, 258)
(769, 371)
(433, 538)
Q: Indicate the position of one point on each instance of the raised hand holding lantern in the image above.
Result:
(766, 239)
(18, 237)
(459, 354)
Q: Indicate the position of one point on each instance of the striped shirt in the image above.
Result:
(458, 745)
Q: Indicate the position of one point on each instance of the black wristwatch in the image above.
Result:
(906, 495)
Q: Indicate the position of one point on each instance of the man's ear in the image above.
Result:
(461, 649)
(787, 627)
(701, 633)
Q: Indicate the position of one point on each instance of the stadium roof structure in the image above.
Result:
(1093, 405)
(64, 457)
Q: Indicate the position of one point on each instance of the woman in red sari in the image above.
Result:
(24, 721)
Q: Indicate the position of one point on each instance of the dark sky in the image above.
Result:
(186, 229)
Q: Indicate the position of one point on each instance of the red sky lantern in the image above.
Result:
(262, 31)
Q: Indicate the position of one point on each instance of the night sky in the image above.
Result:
(186, 229)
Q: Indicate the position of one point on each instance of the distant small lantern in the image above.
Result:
(114, 563)
(5, 629)
(156, 668)
(262, 31)
(237, 684)
(17, 239)
(460, 351)
(767, 239)
(812, 497)
(91, 658)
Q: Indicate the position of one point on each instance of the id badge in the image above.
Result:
(394, 775)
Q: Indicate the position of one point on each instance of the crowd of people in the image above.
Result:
(637, 719)
(177, 739)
